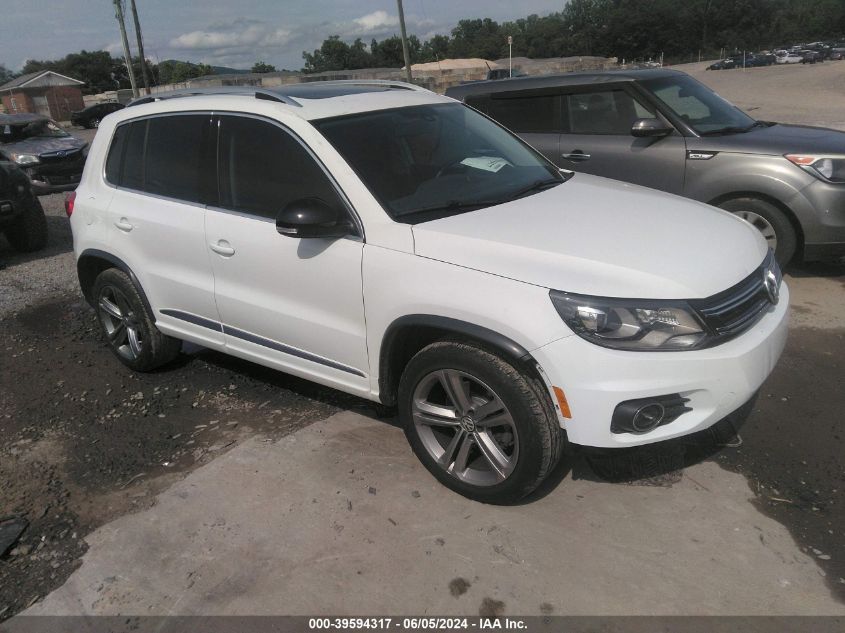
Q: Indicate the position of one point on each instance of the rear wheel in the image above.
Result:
(29, 231)
(772, 223)
(127, 324)
(481, 426)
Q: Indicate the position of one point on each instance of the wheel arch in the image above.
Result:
(407, 335)
(92, 262)
(789, 213)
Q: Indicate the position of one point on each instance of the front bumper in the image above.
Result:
(716, 380)
(44, 187)
(821, 210)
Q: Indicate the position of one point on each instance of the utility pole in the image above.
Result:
(404, 41)
(144, 72)
(510, 56)
(126, 54)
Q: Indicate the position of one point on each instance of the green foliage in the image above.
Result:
(98, 69)
(173, 71)
(261, 67)
(5, 74)
(629, 29)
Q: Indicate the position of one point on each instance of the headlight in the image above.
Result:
(25, 159)
(630, 324)
(829, 168)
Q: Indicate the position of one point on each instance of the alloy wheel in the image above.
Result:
(761, 224)
(121, 324)
(465, 427)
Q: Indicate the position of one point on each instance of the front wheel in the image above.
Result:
(772, 223)
(482, 427)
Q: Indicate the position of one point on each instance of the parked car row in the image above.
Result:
(800, 54)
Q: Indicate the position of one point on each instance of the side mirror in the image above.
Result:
(650, 128)
(312, 217)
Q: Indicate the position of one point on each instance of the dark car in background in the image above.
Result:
(811, 56)
(21, 216)
(665, 130)
(722, 64)
(91, 116)
(51, 158)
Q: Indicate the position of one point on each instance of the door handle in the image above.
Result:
(124, 225)
(577, 156)
(222, 247)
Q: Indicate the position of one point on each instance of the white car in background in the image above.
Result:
(397, 245)
(783, 57)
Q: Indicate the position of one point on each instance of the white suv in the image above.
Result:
(397, 245)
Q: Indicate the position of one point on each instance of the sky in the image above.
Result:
(233, 33)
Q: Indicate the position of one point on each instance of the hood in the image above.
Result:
(39, 146)
(776, 139)
(601, 237)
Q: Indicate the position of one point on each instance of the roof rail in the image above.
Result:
(387, 83)
(258, 93)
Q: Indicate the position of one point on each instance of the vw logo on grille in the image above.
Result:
(770, 283)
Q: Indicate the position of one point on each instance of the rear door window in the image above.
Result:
(166, 156)
(526, 112)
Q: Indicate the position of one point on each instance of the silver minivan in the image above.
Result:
(663, 129)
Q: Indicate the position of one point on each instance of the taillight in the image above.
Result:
(70, 198)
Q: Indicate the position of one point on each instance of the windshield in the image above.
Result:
(432, 161)
(43, 128)
(703, 110)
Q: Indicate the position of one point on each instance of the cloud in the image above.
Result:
(238, 34)
(374, 22)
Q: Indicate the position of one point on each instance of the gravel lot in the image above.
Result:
(85, 441)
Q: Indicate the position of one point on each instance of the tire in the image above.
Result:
(525, 441)
(29, 231)
(127, 324)
(772, 223)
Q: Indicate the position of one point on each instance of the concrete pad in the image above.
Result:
(340, 518)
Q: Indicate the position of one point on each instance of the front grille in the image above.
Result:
(733, 311)
(61, 156)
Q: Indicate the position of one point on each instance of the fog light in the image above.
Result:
(648, 417)
(646, 414)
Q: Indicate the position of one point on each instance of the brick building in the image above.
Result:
(44, 92)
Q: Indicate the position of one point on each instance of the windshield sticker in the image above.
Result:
(487, 163)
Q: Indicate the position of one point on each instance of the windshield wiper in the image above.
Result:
(537, 185)
(464, 205)
(733, 129)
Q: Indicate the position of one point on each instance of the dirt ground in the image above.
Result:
(807, 94)
(85, 441)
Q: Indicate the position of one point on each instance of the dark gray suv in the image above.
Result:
(663, 129)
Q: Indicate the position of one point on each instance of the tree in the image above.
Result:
(6, 75)
(173, 71)
(631, 29)
(261, 67)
